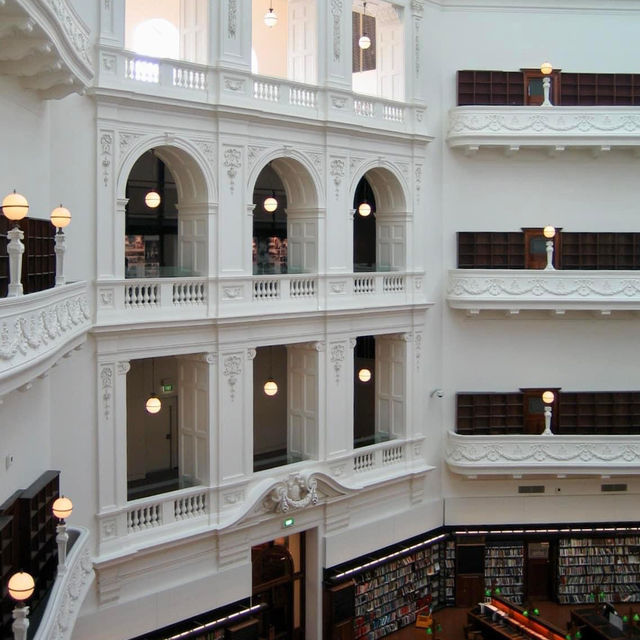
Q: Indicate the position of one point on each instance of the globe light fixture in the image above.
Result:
(364, 209)
(546, 68)
(364, 375)
(15, 206)
(547, 397)
(62, 508)
(270, 387)
(365, 41)
(549, 231)
(21, 586)
(153, 404)
(270, 203)
(60, 217)
(271, 17)
(152, 199)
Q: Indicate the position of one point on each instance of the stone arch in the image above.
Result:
(192, 172)
(393, 216)
(301, 181)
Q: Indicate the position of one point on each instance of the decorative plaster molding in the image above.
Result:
(123, 368)
(418, 174)
(232, 293)
(106, 379)
(542, 454)
(232, 368)
(33, 328)
(501, 289)
(251, 353)
(233, 84)
(232, 26)
(106, 139)
(253, 152)
(337, 172)
(336, 12)
(232, 162)
(208, 150)
(126, 139)
(296, 492)
(418, 349)
(337, 357)
(76, 32)
(554, 127)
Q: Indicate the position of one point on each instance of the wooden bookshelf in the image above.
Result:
(490, 87)
(602, 412)
(504, 568)
(489, 413)
(607, 566)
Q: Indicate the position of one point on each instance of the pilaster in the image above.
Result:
(339, 395)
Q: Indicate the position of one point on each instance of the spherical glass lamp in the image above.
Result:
(270, 204)
(21, 586)
(62, 508)
(549, 232)
(60, 217)
(364, 209)
(152, 199)
(546, 68)
(153, 404)
(365, 42)
(548, 397)
(271, 18)
(270, 387)
(15, 206)
(364, 375)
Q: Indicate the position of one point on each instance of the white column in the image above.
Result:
(339, 396)
(20, 623)
(334, 65)
(231, 43)
(112, 16)
(15, 249)
(60, 247)
(338, 238)
(414, 47)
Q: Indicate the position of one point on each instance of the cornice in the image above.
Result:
(546, 6)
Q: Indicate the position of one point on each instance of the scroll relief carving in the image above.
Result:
(296, 492)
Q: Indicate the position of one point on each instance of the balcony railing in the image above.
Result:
(201, 297)
(38, 329)
(188, 511)
(527, 455)
(198, 83)
(513, 291)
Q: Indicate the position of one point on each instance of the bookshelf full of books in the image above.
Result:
(450, 573)
(504, 568)
(388, 596)
(599, 569)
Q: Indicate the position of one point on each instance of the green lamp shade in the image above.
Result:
(429, 631)
(536, 612)
(636, 617)
(525, 613)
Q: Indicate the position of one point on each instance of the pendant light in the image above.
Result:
(364, 375)
(152, 199)
(153, 403)
(270, 203)
(270, 386)
(364, 208)
(365, 41)
(271, 17)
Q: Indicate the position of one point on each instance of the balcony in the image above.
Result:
(186, 512)
(172, 79)
(186, 299)
(496, 109)
(536, 455)
(46, 45)
(38, 329)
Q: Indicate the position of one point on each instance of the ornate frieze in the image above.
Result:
(296, 492)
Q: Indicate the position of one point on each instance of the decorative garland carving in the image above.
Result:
(106, 139)
(296, 492)
(336, 12)
(337, 357)
(232, 369)
(40, 328)
(337, 172)
(232, 162)
(555, 285)
(233, 18)
(106, 378)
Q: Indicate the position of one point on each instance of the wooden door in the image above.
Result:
(533, 91)
(538, 571)
(533, 409)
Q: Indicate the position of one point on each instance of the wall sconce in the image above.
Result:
(546, 70)
(15, 207)
(549, 233)
(60, 218)
(152, 199)
(62, 508)
(547, 397)
(271, 17)
(21, 587)
(365, 41)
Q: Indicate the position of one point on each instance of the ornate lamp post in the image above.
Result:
(60, 218)
(15, 207)
(62, 508)
(21, 586)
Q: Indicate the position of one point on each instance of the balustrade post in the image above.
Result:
(60, 248)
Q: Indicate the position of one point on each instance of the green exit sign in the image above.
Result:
(288, 523)
(167, 388)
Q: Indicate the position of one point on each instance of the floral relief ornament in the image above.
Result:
(232, 369)
(337, 172)
(232, 162)
(296, 492)
(337, 356)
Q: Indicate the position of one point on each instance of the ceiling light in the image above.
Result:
(271, 17)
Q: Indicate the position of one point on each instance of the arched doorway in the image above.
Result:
(278, 583)
(364, 228)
